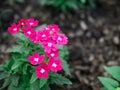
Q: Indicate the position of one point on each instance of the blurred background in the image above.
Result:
(92, 26)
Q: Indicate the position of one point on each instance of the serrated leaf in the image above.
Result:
(15, 49)
(16, 65)
(109, 83)
(43, 81)
(66, 67)
(34, 85)
(20, 36)
(33, 78)
(114, 71)
(3, 75)
(45, 87)
(15, 80)
(59, 79)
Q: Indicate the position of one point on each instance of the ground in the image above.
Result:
(94, 38)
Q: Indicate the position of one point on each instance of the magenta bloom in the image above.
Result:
(21, 22)
(53, 54)
(29, 32)
(43, 35)
(36, 58)
(31, 22)
(34, 38)
(54, 28)
(14, 28)
(60, 39)
(55, 65)
(42, 71)
(49, 46)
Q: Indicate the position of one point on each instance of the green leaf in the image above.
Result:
(114, 71)
(66, 67)
(83, 1)
(104, 88)
(72, 4)
(3, 75)
(59, 79)
(15, 49)
(45, 87)
(15, 80)
(108, 83)
(43, 81)
(33, 78)
(35, 85)
(16, 65)
(6, 83)
(118, 88)
(21, 36)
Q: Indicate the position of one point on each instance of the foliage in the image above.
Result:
(114, 82)
(67, 4)
(18, 73)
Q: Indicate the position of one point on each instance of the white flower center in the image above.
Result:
(59, 38)
(47, 28)
(42, 70)
(52, 54)
(15, 29)
(22, 23)
(31, 23)
(53, 29)
(54, 64)
(43, 35)
(49, 44)
(36, 59)
(29, 32)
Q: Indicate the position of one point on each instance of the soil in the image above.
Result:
(94, 38)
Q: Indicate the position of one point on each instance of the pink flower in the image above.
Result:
(55, 65)
(21, 22)
(31, 22)
(36, 58)
(29, 32)
(60, 39)
(14, 28)
(35, 38)
(43, 35)
(53, 54)
(49, 46)
(54, 28)
(42, 71)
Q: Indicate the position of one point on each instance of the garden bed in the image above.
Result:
(94, 39)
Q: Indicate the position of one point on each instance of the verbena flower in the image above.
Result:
(55, 65)
(53, 54)
(49, 46)
(43, 35)
(60, 39)
(14, 28)
(35, 58)
(21, 22)
(31, 22)
(29, 32)
(42, 71)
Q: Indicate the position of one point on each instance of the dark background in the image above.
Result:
(94, 36)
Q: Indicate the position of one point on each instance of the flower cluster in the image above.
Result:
(49, 38)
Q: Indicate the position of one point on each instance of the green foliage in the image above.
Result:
(111, 83)
(59, 79)
(19, 74)
(67, 4)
